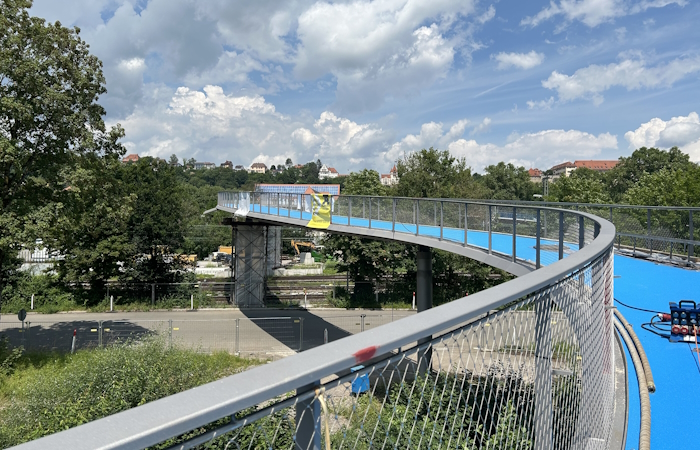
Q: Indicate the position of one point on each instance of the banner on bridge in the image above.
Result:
(320, 210)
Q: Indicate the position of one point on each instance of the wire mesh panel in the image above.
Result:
(250, 266)
(537, 373)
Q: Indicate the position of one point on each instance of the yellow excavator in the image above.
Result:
(297, 244)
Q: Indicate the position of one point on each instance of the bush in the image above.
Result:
(61, 392)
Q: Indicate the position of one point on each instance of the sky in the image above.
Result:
(360, 84)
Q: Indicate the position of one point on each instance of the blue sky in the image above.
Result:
(360, 84)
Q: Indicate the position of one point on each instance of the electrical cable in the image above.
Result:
(655, 332)
(638, 309)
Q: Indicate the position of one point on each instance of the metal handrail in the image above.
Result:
(172, 416)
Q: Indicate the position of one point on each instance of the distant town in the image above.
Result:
(390, 179)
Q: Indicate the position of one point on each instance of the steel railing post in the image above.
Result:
(441, 219)
(308, 420)
(349, 209)
(153, 294)
(434, 213)
(490, 233)
(538, 240)
(649, 230)
(515, 231)
(611, 214)
(289, 205)
(561, 234)
(417, 215)
(581, 233)
(363, 207)
(278, 203)
(465, 225)
(362, 322)
(370, 212)
(393, 216)
(330, 209)
(691, 247)
(543, 373)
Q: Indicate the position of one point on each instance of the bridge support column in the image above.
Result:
(424, 299)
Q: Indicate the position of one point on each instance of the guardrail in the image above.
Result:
(525, 364)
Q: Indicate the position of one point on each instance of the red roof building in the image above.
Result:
(130, 158)
(597, 165)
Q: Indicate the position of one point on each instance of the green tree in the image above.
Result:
(156, 226)
(365, 182)
(631, 169)
(582, 186)
(508, 182)
(174, 160)
(49, 86)
(434, 173)
(667, 187)
(90, 229)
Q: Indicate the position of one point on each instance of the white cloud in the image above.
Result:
(519, 60)
(485, 125)
(211, 125)
(681, 131)
(379, 48)
(541, 104)
(541, 149)
(487, 15)
(590, 82)
(594, 12)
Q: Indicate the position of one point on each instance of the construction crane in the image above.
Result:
(297, 244)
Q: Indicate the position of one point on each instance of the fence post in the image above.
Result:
(691, 247)
(170, 333)
(393, 216)
(490, 234)
(238, 341)
(362, 322)
(543, 373)
(153, 294)
(308, 420)
(611, 219)
(349, 209)
(301, 333)
(581, 231)
(515, 230)
(99, 333)
(561, 234)
(538, 240)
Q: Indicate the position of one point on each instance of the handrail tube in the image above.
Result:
(174, 415)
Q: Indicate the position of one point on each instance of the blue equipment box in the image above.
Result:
(360, 384)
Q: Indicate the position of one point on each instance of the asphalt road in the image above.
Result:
(265, 333)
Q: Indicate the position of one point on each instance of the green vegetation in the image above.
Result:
(41, 394)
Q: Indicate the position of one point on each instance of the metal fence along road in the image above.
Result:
(260, 337)
(527, 364)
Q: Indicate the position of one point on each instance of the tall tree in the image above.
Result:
(582, 186)
(642, 161)
(49, 86)
(365, 182)
(436, 174)
(156, 226)
(508, 182)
